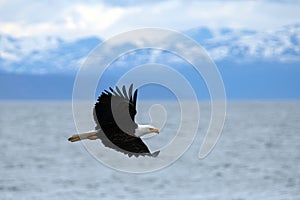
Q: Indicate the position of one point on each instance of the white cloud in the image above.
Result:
(9, 56)
(82, 19)
(71, 22)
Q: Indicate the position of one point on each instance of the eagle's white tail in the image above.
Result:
(92, 135)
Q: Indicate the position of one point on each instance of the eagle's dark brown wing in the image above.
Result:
(114, 114)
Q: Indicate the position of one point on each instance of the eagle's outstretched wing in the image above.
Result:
(114, 114)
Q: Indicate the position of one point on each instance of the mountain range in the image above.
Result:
(253, 65)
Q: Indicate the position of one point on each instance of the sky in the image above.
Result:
(75, 19)
(255, 44)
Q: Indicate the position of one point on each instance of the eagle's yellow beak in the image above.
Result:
(154, 130)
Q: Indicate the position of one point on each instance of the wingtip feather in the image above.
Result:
(119, 92)
(124, 92)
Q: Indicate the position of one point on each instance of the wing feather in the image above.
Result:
(119, 92)
(113, 91)
(130, 91)
(124, 92)
(134, 98)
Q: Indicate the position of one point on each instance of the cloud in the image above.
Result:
(69, 22)
(105, 19)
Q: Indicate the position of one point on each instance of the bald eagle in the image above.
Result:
(114, 114)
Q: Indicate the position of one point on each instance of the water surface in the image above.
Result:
(257, 157)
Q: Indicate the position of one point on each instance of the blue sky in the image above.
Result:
(255, 44)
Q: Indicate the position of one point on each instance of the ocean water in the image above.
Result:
(257, 157)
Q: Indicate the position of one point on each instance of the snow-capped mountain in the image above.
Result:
(54, 55)
(281, 45)
(43, 55)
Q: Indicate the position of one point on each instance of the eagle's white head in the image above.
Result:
(145, 129)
